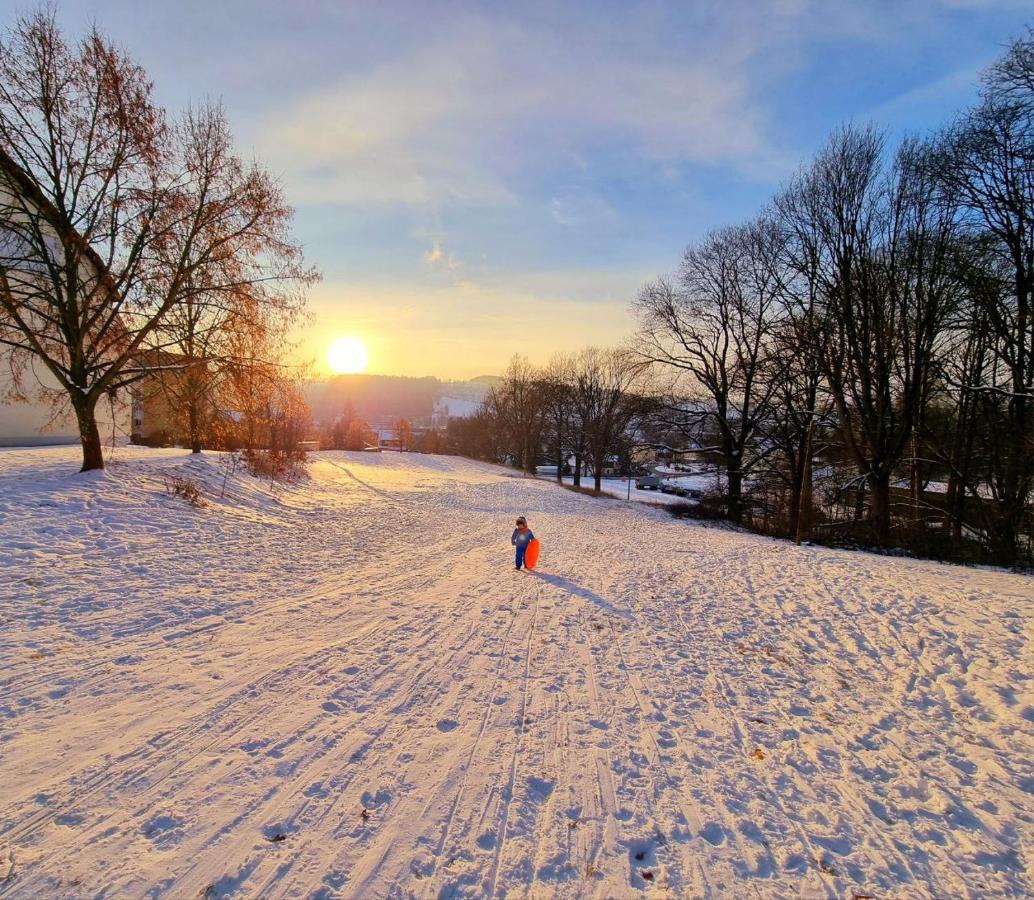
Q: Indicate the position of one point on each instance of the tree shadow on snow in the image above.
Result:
(572, 587)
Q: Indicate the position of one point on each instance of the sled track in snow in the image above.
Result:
(203, 706)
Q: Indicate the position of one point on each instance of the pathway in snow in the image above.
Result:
(202, 703)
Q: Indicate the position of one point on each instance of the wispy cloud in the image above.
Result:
(463, 118)
(466, 115)
(437, 258)
(577, 206)
(489, 170)
(957, 88)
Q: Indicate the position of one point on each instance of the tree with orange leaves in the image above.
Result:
(114, 221)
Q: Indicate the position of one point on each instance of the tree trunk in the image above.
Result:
(578, 469)
(801, 503)
(793, 518)
(859, 502)
(914, 480)
(89, 434)
(193, 426)
(805, 510)
(879, 509)
(559, 463)
(735, 491)
(1016, 481)
(959, 459)
(598, 478)
(1004, 542)
(953, 507)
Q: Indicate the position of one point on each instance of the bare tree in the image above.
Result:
(801, 407)
(1010, 81)
(798, 417)
(710, 331)
(559, 409)
(606, 403)
(256, 394)
(477, 436)
(223, 306)
(883, 322)
(881, 248)
(987, 162)
(517, 404)
(111, 218)
(961, 433)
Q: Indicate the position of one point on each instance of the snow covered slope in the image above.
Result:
(345, 690)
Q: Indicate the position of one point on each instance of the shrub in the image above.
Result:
(276, 465)
(186, 489)
(711, 508)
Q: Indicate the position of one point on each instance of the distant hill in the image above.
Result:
(381, 399)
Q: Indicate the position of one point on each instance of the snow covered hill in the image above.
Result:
(344, 689)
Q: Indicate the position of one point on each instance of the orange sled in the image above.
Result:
(531, 555)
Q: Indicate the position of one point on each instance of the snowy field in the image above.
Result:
(344, 689)
(625, 489)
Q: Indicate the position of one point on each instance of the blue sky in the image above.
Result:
(476, 180)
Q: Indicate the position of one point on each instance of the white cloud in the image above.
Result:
(469, 109)
(959, 86)
(460, 120)
(438, 258)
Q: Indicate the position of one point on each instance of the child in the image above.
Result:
(520, 538)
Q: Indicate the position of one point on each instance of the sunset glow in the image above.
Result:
(319, 321)
(347, 355)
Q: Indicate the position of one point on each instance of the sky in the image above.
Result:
(476, 180)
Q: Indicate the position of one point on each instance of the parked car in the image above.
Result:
(668, 488)
(648, 483)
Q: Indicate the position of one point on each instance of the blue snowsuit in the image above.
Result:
(520, 540)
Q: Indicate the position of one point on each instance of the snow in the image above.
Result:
(618, 486)
(458, 407)
(203, 702)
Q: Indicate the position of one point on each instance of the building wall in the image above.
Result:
(34, 422)
(154, 421)
(31, 424)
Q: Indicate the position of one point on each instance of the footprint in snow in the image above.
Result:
(382, 796)
(447, 724)
(540, 788)
(278, 832)
(164, 831)
(713, 833)
(335, 879)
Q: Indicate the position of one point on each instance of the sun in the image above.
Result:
(347, 355)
